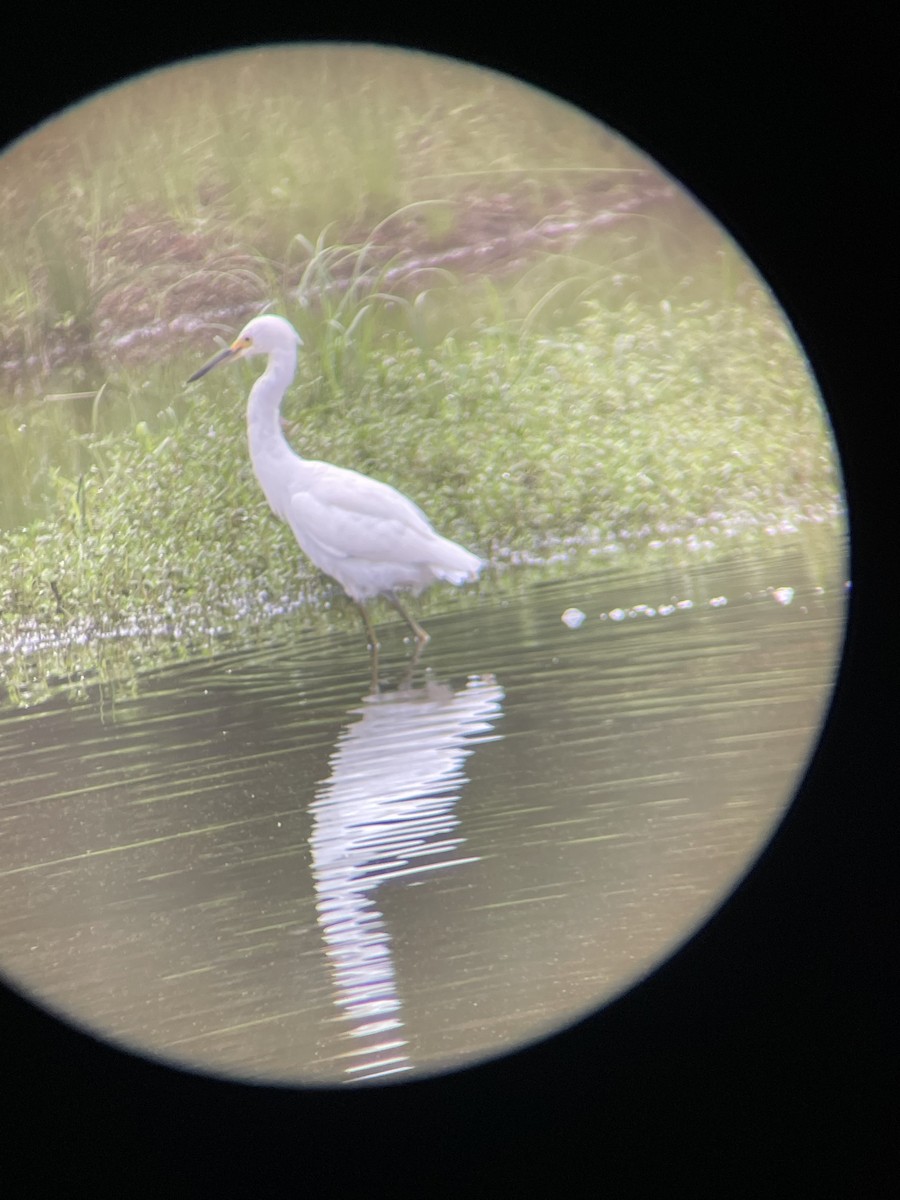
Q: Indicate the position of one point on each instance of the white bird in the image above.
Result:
(365, 534)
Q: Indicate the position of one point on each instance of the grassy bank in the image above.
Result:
(193, 190)
(629, 427)
(505, 315)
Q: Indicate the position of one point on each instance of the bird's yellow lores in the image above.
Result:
(368, 536)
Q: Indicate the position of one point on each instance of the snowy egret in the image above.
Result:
(365, 534)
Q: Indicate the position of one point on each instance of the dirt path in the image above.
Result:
(164, 283)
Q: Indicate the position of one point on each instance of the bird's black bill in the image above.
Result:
(223, 356)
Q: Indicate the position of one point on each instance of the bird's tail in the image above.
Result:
(457, 565)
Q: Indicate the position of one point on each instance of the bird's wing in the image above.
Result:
(352, 516)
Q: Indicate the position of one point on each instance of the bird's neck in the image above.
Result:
(264, 406)
(267, 394)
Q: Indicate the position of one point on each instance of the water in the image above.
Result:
(256, 867)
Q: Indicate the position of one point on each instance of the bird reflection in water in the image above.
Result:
(386, 813)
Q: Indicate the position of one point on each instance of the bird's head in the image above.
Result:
(263, 335)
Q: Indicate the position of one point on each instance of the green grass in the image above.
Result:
(628, 425)
(634, 388)
(254, 149)
(630, 428)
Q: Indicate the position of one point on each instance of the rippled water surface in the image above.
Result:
(257, 867)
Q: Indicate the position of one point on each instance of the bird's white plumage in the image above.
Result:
(365, 534)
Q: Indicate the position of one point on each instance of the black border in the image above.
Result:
(758, 1058)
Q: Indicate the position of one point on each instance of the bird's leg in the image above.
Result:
(376, 686)
(421, 636)
(370, 628)
(373, 645)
